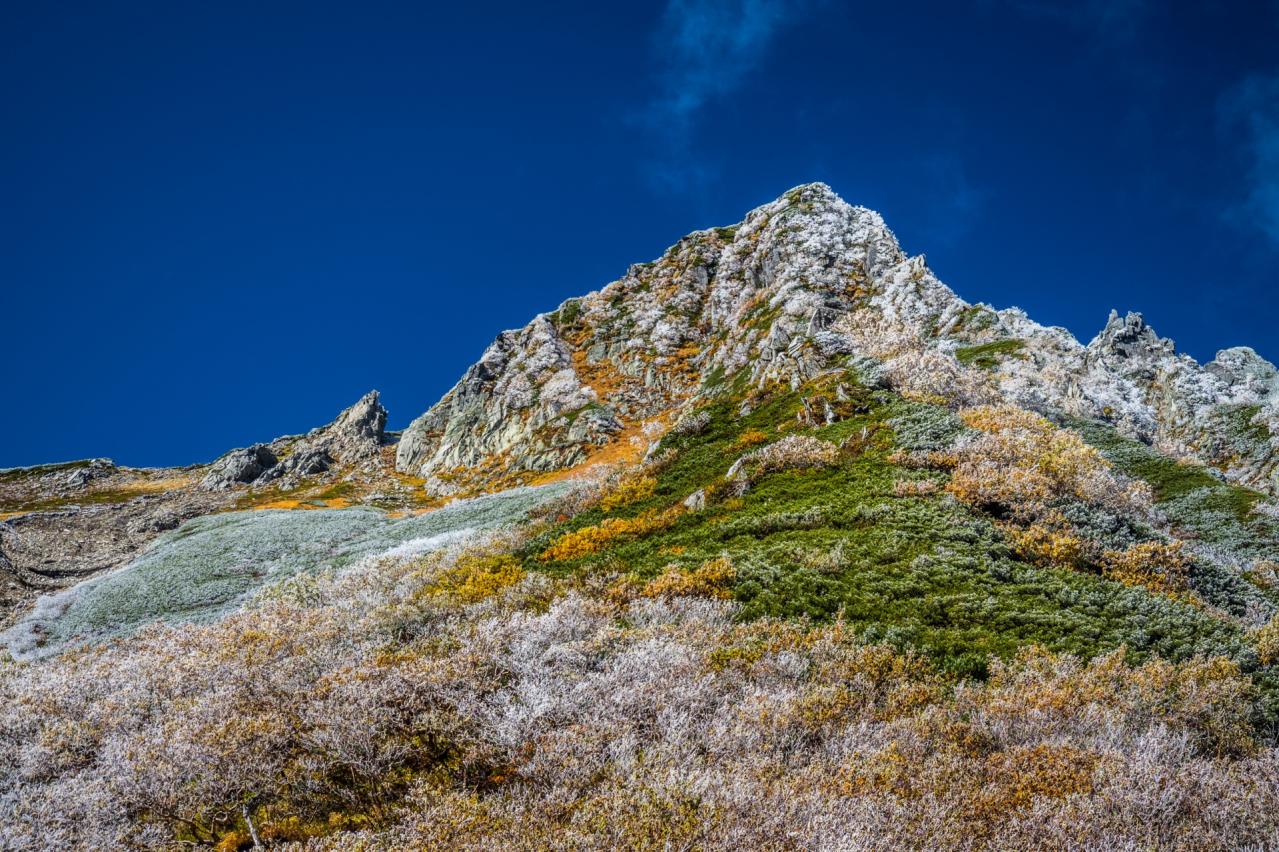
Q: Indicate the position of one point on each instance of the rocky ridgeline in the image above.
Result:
(800, 285)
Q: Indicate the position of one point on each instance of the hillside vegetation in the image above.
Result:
(911, 626)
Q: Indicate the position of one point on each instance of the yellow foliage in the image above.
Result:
(1266, 638)
(710, 579)
(475, 577)
(1158, 566)
(588, 540)
(1048, 543)
(630, 489)
(750, 438)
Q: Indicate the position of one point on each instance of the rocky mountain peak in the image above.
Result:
(1243, 369)
(799, 286)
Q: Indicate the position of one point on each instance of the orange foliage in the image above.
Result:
(1158, 566)
(710, 579)
(589, 540)
(750, 438)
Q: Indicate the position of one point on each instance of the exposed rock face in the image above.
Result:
(239, 467)
(800, 286)
(81, 518)
(762, 294)
(357, 434)
(515, 403)
(95, 469)
(44, 551)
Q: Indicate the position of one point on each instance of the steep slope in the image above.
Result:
(796, 287)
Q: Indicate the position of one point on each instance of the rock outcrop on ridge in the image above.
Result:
(353, 440)
(802, 284)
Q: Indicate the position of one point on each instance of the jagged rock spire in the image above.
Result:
(353, 439)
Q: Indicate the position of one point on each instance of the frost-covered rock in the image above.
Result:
(523, 401)
(802, 284)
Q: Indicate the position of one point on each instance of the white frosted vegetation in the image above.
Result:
(210, 565)
(545, 718)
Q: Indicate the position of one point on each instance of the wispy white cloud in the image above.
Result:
(1250, 119)
(705, 49)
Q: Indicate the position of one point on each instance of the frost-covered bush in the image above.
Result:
(1023, 464)
(452, 701)
(794, 452)
(932, 376)
(926, 427)
(1110, 530)
(1213, 514)
(910, 365)
(692, 423)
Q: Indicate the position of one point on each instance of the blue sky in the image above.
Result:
(225, 222)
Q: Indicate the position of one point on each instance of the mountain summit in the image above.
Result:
(799, 286)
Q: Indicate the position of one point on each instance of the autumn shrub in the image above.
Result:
(1266, 639)
(710, 579)
(1050, 543)
(1162, 567)
(750, 438)
(589, 540)
(630, 489)
(476, 576)
(1021, 463)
